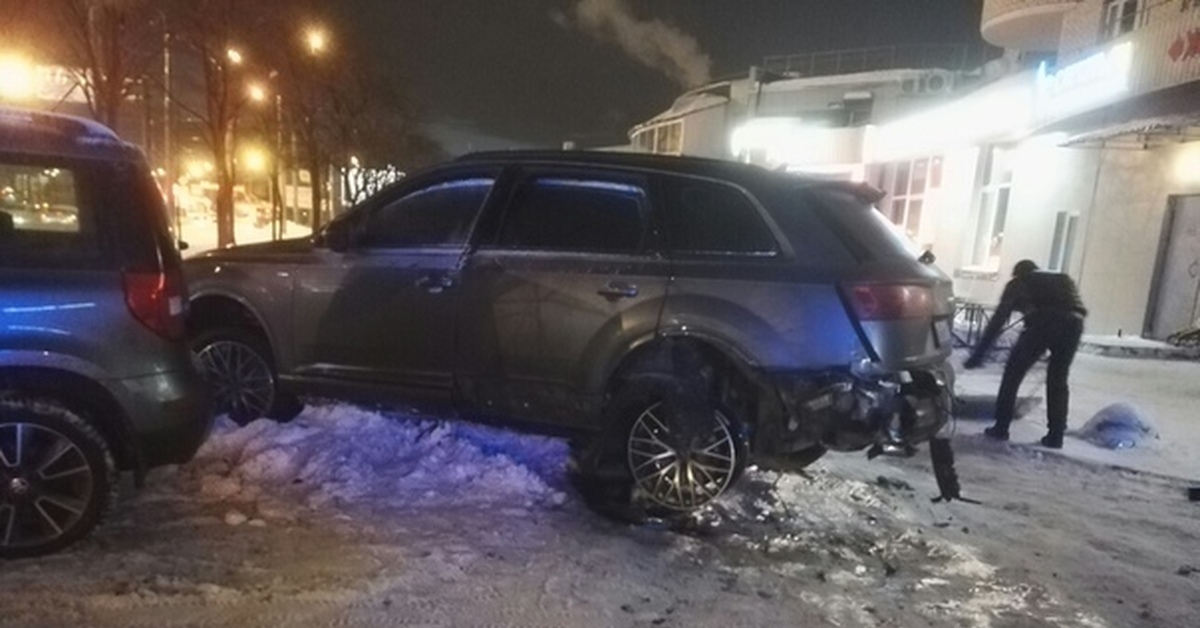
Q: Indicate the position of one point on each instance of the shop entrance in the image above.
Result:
(1177, 302)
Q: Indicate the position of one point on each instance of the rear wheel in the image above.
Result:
(669, 449)
(237, 365)
(57, 477)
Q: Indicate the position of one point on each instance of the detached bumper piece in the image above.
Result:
(887, 414)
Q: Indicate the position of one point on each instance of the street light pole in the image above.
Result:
(168, 133)
(278, 225)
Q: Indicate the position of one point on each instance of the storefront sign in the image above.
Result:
(1185, 46)
(1092, 82)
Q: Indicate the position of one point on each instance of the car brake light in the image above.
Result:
(885, 302)
(156, 300)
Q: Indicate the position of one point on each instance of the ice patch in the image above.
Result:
(1118, 426)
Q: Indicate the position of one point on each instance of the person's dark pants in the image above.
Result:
(1057, 333)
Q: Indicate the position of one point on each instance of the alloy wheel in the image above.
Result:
(46, 485)
(681, 469)
(242, 381)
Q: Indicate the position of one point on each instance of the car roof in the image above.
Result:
(54, 134)
(748, 175)
(646, 161)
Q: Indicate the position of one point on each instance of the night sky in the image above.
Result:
(512, 73)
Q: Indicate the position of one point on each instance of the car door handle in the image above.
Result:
(435, 284)
(618, 290)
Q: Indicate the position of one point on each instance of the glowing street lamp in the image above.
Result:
(235, 56)
(17, 81)
(255, 160)
(257, 92)
(317, 41)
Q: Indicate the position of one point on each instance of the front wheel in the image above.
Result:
(57, 477)
(237, 365)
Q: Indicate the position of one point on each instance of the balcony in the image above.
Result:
(1026, 25)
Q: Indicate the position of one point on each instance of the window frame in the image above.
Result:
(1116, 21)
(903, 195)
(993, 196)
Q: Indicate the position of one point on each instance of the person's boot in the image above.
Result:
(1052, 440)
(995, 432)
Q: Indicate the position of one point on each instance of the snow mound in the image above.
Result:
(339, 454)
(1118, 426)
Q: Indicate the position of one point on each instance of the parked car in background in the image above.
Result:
(95, 372)
(682, 316)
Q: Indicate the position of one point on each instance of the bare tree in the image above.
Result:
(109, 45)
(215, 30)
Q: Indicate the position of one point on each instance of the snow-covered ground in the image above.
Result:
(355, 517)
(200, 234)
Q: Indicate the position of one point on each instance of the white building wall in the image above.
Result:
(1125, 229)
(950, 208)
(705, 134)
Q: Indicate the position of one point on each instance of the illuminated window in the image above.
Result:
(668, 138)
(996, 188)
(1120, 17)
(1064, 241)
(911, 182)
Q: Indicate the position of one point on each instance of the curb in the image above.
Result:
(1165, 352)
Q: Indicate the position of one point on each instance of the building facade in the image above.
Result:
(1106, 182)
(1079, 149)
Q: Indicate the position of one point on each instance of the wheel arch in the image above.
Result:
(209, 310)
(85, 397)
(725, 371)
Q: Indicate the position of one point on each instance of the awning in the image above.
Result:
(1141, 133)
(1146, 121)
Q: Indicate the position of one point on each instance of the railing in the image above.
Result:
(971, 318)
(957, 57)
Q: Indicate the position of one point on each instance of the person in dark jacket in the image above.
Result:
(1053, 322)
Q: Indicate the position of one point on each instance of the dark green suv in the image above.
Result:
(95, 373)
(681, 316)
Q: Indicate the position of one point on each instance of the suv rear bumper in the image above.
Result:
(851, 411)
(170, 415)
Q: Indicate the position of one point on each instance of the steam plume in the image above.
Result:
(653, 43)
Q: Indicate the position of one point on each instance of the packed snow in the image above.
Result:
(354, 516)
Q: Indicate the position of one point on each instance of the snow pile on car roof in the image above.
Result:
(340, 455)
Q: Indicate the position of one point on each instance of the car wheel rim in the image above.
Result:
(46, 485)
(681, 475)
(242, 381)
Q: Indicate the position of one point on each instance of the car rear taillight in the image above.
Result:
(885, 302)
(157, 299)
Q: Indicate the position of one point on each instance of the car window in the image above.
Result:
(575, 214)
(860, 225)
(709, 218)
(44, 213)
(437, 215)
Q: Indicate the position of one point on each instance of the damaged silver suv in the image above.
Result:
(683, 317)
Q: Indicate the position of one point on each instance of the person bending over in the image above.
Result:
(1053, 322)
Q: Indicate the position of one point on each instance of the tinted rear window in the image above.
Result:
(864, 229)
(707, 218)
(568, 214)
